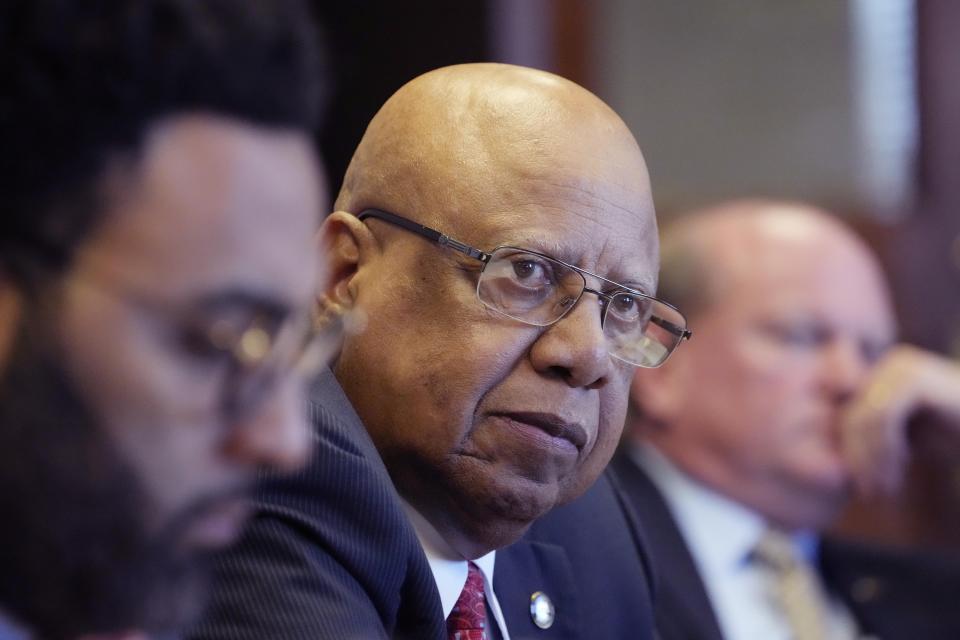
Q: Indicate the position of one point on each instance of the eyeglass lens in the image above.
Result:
(539, 290)
(298, 347)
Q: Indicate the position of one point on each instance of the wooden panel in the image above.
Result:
(921, 256)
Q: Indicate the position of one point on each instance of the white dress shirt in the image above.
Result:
(450, 568)
(721, 535)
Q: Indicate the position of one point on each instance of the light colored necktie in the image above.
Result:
(468, 619)
(797, 590)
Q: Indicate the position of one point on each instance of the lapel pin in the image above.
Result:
(542, 610)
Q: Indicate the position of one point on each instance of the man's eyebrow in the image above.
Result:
(646, 287)
(561, 251)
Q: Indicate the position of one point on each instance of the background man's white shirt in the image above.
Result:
(721, 535)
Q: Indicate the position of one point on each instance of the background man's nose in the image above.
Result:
(844, 368)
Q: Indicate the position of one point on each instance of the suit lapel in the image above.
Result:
(683, 609)
(414, 611)
(525, 568)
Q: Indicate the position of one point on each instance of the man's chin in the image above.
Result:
(503, 509)
(829, 478)
(815, 503)
(158, 595)
(177, 596)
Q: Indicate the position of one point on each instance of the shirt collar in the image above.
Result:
(449, 568)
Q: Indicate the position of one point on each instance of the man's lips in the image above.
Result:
(218, 524)
(570, 433)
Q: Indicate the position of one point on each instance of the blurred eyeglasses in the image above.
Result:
(264, 351)
(539, 290)
(256, 348)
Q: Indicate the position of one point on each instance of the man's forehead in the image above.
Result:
(456, 127)
(191, 222)
(562, 178)
(802, 287)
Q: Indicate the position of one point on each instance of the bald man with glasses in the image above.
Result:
(495, 245)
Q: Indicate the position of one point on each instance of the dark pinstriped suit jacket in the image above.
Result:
(330, 554)
(893, 594)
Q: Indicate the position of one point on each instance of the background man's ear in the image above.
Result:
(345, 244)
(10, 310)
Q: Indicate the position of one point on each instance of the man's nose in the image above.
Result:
(575, 348)
(844, 367)
(276, 435)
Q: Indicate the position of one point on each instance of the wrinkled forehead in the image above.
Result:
(572, 203)
(572, 211)
(515, 157)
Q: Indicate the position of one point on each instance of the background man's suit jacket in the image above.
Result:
(331, 554)
(893, 595)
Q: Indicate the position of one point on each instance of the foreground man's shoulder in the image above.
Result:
(329, 552)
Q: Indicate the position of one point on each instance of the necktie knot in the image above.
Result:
(775, 550)
(796, 588)
(468, 619)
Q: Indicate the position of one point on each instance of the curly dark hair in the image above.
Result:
(82, 83)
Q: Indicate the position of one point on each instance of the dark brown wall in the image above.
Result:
(923, 258)
(375, 46)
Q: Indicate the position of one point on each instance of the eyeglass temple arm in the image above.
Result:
(684, 334)
(422, 230)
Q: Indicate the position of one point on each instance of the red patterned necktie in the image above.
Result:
(468, 620)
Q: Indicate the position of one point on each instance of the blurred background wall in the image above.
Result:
(853, 105)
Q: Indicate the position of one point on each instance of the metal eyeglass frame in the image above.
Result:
(444, 240)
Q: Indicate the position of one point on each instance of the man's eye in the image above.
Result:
(628, 307)
(873, 351)
(527, 270)
(201, 342)
(215, 339)
(624, 303)
(803, 336)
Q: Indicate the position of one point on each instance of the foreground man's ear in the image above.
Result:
(345, 244)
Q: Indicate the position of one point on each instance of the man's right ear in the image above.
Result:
(11, 305)
(345, 245)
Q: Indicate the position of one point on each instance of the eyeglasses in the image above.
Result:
(536, 289)
(261, 353)
(256, 350)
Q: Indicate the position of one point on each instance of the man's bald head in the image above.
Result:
(486, 422)
(450, 131)
(790, 310)
(704, 252)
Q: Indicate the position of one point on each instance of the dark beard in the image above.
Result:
(74, 553)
